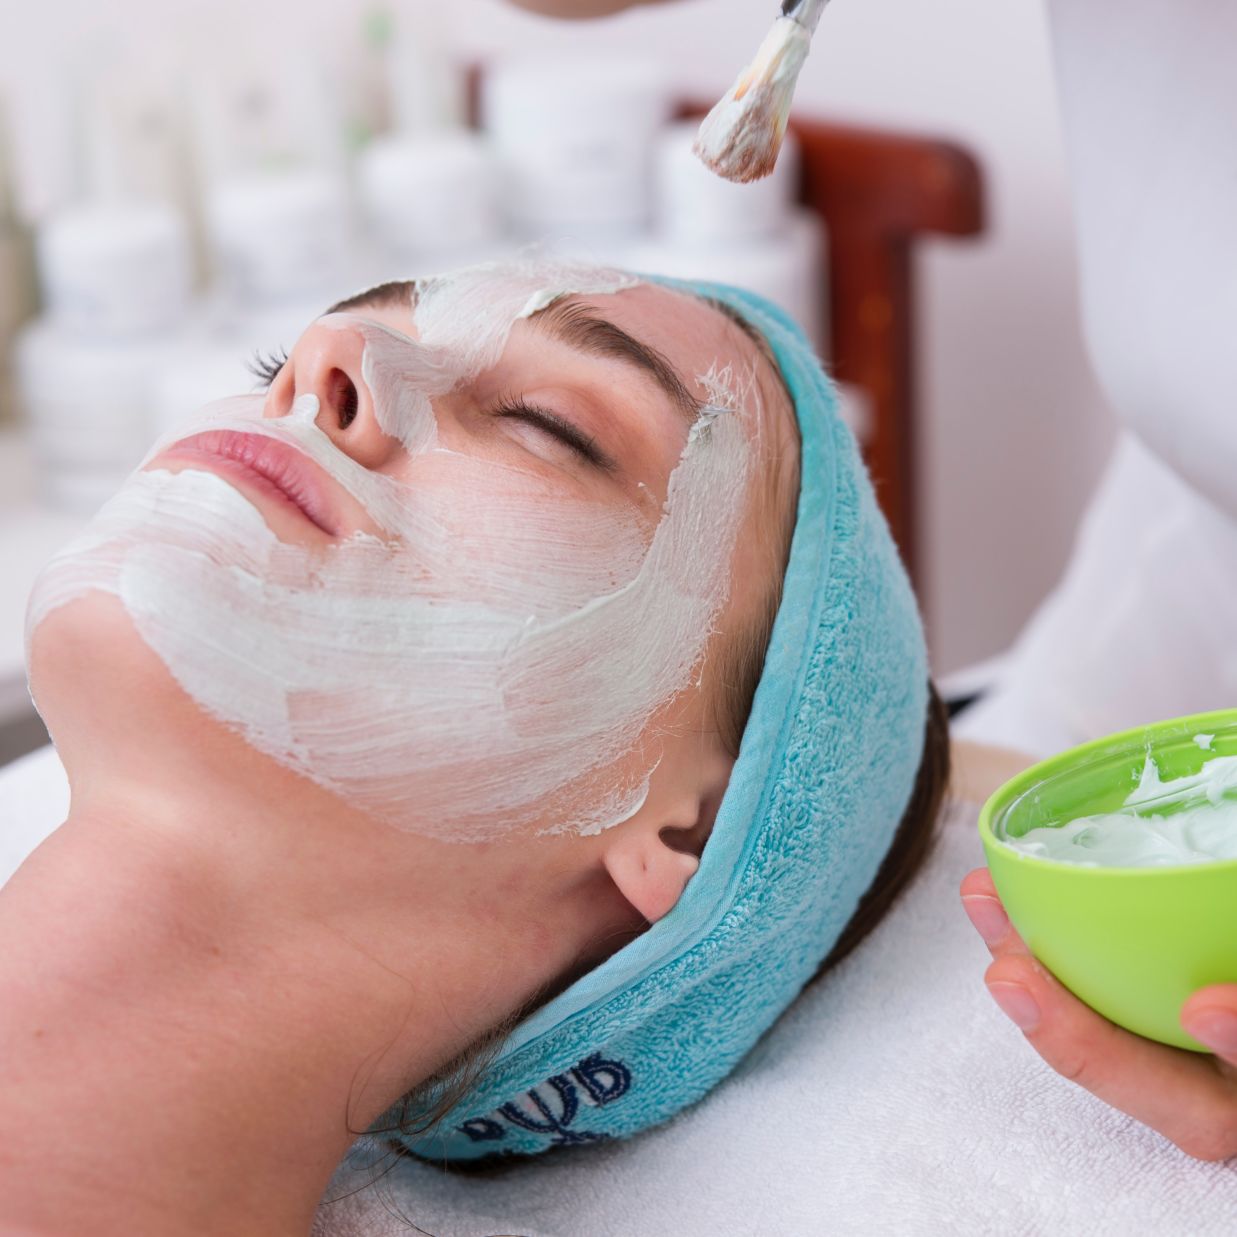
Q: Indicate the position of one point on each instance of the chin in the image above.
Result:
(100, 690)
(120, 720)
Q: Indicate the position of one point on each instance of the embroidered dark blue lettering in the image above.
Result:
(603, 1080)
(482, 1129)
(555, 1126)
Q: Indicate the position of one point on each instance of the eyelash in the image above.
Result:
(265, 366)
(571, 435)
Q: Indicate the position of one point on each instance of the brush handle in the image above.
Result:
(805, 12)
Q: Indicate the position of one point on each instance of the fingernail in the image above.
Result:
(988, 916)
(1017, 1003)
(1217, 1028)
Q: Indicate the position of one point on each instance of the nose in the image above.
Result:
(326, 362)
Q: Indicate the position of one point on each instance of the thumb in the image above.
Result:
(1210, 1015)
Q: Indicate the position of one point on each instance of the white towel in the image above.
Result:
(894, 1098)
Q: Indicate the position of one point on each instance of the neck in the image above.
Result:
(206, 1028)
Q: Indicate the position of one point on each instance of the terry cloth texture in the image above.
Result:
(825, 770)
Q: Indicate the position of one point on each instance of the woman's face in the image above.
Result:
(462, 564)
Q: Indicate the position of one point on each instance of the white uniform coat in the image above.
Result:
(1144, 623)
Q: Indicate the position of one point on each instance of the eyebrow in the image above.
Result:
(580, 327)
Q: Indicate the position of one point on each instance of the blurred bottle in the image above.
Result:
(256, 113)
(427, 85)
(363, 71)
(751, 235)
(115, 269)
(131, 124)
(17, 298)
(427, 190)
(574, 138)
(278, 218)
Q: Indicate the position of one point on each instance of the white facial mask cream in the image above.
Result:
(492, 662)
(1183, 821)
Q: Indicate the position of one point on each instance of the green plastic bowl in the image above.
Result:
(1133, 943)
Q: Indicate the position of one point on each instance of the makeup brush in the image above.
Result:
(739, 139)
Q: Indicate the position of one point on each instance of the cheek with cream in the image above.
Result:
(492, 661)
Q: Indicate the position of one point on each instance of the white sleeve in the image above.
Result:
(1148, 93)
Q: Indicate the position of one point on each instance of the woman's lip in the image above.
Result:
(277, 468)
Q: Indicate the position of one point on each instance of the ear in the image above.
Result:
(648, 873)
(651, 857)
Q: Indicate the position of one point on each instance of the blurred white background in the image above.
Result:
(1015, 429)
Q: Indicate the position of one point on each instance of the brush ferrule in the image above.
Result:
(805, 12)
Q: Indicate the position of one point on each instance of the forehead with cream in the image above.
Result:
(489, 660)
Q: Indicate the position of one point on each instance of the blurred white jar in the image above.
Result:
(116, 279)
(429, 202)
(279, 236)
(89, 411)
(750, 235)
(115, 269)
(575, 138)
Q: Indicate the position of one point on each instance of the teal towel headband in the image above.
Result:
(825, 771)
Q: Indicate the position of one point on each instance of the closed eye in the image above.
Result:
(558, 427)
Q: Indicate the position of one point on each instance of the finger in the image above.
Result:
(1181, 1094)
(978, 881)
(983, 906)
(1210, 1015)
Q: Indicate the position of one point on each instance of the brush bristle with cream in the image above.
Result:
(739, 139)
